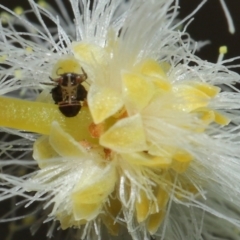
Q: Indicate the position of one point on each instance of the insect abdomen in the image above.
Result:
(70, 110)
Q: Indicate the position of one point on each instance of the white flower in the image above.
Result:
(154, 150)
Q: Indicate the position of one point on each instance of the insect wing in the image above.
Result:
(81, 93)
(70, 110)
(57, 94)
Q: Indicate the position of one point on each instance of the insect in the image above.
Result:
(68, 92)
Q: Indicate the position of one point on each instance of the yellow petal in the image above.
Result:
(208, 89)
(63, 143)
(162, 197)
(96, 192)
(160, 150)
(137, 91)
(221, 119)
(103, 102)
(42, 150)
(190, 98)
(154, 221)
(161, 84)
(90, 54)
(112, 226)
(93, 190)
(142, 206)
(144, 159)
(181, 161)
(113, 209)
(85, 211)
(186, 188)
(68, 221)
(154, 69)
(126, 136)
(206, 115)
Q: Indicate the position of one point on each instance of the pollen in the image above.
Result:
(3, 58)
(18, 74)
(18, 10)
(29, 50)
(5, 17)
(96, 130)
(43, 4)
(223, 50)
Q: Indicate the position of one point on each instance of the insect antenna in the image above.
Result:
(83, 75)
(54, 83)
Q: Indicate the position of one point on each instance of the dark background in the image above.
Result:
(209, 24)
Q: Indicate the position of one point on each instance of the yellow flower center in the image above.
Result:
(113, 126)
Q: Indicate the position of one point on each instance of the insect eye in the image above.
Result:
(78, 79)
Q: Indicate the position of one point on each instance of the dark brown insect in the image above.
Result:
(68, 92)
